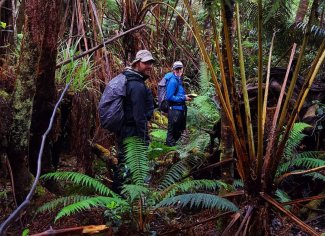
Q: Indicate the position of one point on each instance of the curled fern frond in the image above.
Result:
(190, 185)
(62, 201)
(86, 204)
(136, 159)
(80, 180)
(134, 191)
(199, 200)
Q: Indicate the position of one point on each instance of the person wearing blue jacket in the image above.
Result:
(176, 97)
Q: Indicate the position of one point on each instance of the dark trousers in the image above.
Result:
(176, 125)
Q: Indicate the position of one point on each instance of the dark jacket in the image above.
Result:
(138, 108)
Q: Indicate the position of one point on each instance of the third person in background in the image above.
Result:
(176, 97)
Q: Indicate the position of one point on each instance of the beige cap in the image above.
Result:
(143, 56)
(177, 64)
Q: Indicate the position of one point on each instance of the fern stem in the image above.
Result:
(250, 136)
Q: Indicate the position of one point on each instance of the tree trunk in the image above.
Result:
(226, 139)
(35, 72)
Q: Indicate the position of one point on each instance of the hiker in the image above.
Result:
(138, 107)
(176, 97)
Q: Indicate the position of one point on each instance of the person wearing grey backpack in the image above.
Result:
(138, 106)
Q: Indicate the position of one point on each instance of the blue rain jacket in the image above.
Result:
(175, 91)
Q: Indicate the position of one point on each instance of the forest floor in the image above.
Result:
(171, 222)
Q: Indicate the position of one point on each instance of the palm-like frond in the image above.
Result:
(81, 180)
(134, 191)
(86, 204)
(190, 185)
(199, 200)
(136, 159)
(62, 201)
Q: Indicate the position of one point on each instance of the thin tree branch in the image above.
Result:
(299, 222)
(99, 46)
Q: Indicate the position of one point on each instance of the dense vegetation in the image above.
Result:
(251, 161)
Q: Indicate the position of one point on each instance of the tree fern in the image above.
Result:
(86, 204)
(194, 185)
(199, 200)
(136, 159)
(80, 180)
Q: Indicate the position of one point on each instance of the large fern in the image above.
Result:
(136, 159)
(199, 200)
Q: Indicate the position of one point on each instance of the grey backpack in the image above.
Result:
(111, 105)
(162, 90)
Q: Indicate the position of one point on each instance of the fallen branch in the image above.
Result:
(299, 222)
(90, 229)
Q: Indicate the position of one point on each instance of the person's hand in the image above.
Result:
(188, 98)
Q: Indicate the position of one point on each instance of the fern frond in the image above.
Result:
(136, 159)
(134, 191)
(199, 200)
(238, 183)
(316, 176)
(80, 180)
(62, 201)
(190, 185)
(177, 171)
(312, 154)
(294, 139)
(282, 196)
(305, 163)
(86, 204)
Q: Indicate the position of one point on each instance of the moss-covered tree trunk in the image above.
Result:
(35, 72)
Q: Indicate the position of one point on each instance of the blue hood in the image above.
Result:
(169, 75)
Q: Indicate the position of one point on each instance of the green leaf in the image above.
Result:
(25, 232)
(3, 24)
